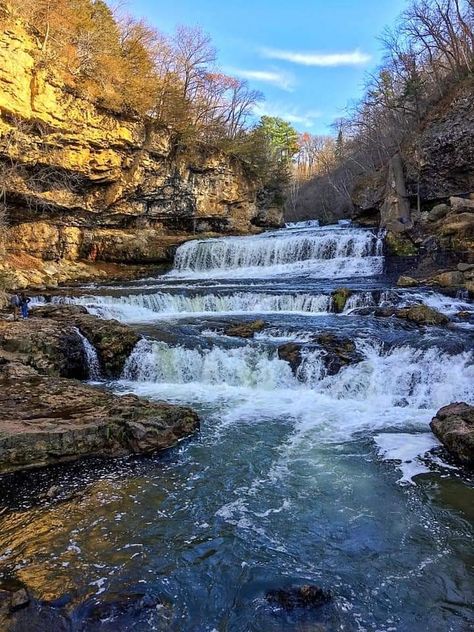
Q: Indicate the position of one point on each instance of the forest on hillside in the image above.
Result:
(427, 54)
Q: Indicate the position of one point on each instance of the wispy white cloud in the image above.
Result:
(277, 78)
(308, 58)
(301, 118)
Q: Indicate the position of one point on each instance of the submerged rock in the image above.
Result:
(454, 427)
(245, 330)
(52, 420)
(307, 596)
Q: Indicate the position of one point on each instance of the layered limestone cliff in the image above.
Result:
(85, 184)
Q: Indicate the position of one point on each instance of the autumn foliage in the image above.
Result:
(128, 66)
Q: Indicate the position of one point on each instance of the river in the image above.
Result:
(334, 480)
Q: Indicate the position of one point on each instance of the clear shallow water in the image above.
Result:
(333, 480)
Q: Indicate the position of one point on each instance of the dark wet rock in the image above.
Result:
(339, 352)
(112, 340)
(422, 315)
(21, 613)
(307, 596)
(464, 315)
(127, 605)
(453, 425)
(46, 420)
(291, 353)
(245, 330)
(339, 299)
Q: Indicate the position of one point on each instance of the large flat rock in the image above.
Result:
(45, 420)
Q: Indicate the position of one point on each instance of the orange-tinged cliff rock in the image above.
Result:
(85, 185)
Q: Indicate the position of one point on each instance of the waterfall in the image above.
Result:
(92, 359)
(324, 253)
(400, 377)
(146, 307)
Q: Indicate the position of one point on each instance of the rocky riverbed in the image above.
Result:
(316, 379)
(47, 416)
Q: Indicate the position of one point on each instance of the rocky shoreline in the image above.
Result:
(48, 416)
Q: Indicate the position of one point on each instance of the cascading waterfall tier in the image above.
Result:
(92, 359)
(399, 377)
(324, 253)
(146, 306)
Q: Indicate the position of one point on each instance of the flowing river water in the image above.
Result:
(334, 480)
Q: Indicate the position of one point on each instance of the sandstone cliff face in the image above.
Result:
(87, 184)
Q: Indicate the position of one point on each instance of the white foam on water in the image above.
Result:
(407, 450)
(397, 389)
(444, 304)
(309, 223)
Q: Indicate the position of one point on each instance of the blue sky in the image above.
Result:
(309, 57)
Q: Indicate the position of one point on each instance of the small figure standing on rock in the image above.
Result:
(15, 303)
(24, 300)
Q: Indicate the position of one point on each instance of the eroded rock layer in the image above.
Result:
(85, 183)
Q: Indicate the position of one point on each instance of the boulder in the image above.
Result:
(459, 225)
(465, 267)
(461, 205)
(307, 596)
(46, 420)
(339, 299)
(438, 212)
(337, 352)
(19, 599)
(422, 315)
(245, 330)
(400, 245)
(45, 346)
(453, 278)
(406, 281)
(453, 425)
